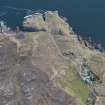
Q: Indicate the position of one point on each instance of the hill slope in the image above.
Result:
(46, 64)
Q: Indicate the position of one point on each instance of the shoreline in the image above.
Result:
(86, 40)
(48, 42)
(93, 43)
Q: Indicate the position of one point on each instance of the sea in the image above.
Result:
(86, 17)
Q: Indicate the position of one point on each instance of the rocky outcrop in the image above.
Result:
(43, 66)
(35, 22)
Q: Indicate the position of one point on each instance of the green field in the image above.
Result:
(73, 85)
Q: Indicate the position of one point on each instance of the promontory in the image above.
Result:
(46, 63)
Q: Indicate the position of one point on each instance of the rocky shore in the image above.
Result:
(47, 64)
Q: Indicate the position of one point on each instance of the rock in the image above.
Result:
(100, 90)
(100, 101)
(7, 93)
(57, 25)
(35, 22)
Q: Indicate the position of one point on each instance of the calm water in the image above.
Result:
(87, 17)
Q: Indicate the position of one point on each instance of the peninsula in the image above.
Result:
(46, 63)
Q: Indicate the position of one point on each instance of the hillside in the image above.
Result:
(46, 63)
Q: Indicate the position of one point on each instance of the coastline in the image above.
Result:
(73, 64)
